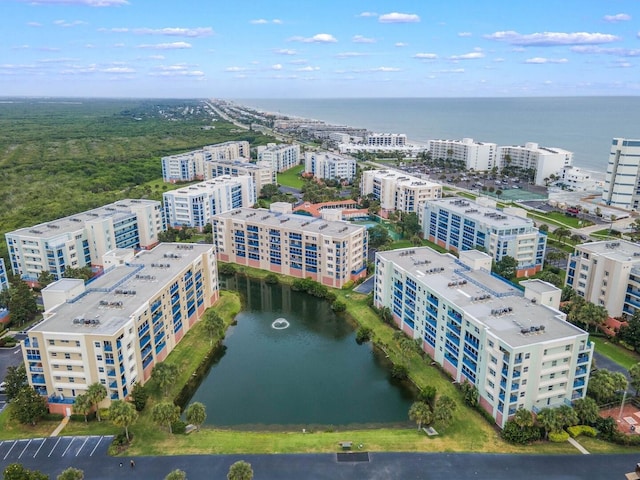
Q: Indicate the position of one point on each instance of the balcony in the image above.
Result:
(113, 385)
(34, 357)
(583, 359)
(111, 373)
(109, 361)
(39, 379)
(108, 347)
(578, 383)
(36, 369)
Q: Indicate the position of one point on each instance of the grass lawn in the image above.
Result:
(291, 178)
(617, 353)
(559, 219)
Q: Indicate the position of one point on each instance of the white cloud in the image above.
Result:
(114, 30)
(400, 44)
(167, 46)
(452, 70)
(234, 69)
(593, 49)
(550, 39)
(277, 66)
(34, 24)
(350, 54)
(299, 61)
(362, 39)
(623, 65)
(468, 56)
(277, 21)
(385, 69)
(259, 21)
(426, 56)
(368, 14)
(308, 68)
(118, 70)
(176, 31)
(89, 3)
(541, 60)
(318, 38)
(618, 17)
(65, 24)
(156, 57)
(285, 51)
(119, 45)
(396, 17)
(464, 34)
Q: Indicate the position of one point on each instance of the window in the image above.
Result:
(522, 394)
(567, 348)
(554, 363)
(526, 356)
(553, 375)
(67, 356)
(524, 382)
(550, 387)
(101, 369)
(525, 369)
(69, 368)
(97, 344)
(77, 343)
(52, 342)
(99, 357)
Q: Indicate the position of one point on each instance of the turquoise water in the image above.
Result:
(583, 125)
(371, 223)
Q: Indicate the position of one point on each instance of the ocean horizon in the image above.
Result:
(582, 125)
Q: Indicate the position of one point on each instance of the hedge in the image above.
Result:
(585, 430)
(558, 437)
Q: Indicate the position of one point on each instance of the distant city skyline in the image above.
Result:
(292, 49)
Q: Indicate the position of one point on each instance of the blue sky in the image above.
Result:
(328, 48)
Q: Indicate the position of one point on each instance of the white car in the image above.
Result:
(3, 387)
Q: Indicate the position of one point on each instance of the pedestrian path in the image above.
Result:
(575, 443)
(59, 428)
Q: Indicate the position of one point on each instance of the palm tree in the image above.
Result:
(587, 410)
(567, 416)
(634, 374)
(443, 412)
(548, 419)
(165, 413)
(240, 470)
(196, 414)
(213, 324)
(96, 393)
(82, 405)
(523, 418)
(420, 413)
(123, 414)
(165, 375)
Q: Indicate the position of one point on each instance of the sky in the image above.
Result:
(319, 49)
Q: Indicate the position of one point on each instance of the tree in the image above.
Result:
(82, 405)
(634, 374)
(269, 190)
(29, 406)
(15, 380)
(22, 304)
(548, 419)
(443, 411)
(630, 333)
(139, 396)
(470, 394)
(406, 346)
(96, 393)
(567, 417)
(176, 475)
(420, 413)
(196, 414)
(240, 470)
(71, 474)
(165, 413)
(561, 233)
(592, 315)
(409, 224)
(122, 414)
(83, 273)
(587, 410)
(45, 278)
(544, 228)
(378, 236)
(604, 384)
(506, 267)
(523, 418)
(164, 374)
(428, 395)
(213, 324)
(17, 471)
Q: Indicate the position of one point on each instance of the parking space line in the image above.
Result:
(14, 444)
(54, 447)
(25, 447)
(68, 446)
(44, 440)
(83, 444)
(94, 448)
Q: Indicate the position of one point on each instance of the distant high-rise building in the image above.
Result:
(4, 279)
(330, 166)
(622, 181)
(262, 174)
(386, 139)
(190, 166)
(281, 157)
(476, 156)
(545, 161)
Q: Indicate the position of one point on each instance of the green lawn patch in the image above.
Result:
(617, 353)
(291, 178)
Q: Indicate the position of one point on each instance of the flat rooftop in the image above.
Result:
(117, 210)
(114, 297)
(239, 164)
(491, 301)
(618, 250)
(207, 186)
(487, 215)
(292, 221)
(404, 178)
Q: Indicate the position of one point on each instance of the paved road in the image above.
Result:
(384, 466)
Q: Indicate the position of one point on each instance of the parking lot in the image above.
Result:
(12, 451)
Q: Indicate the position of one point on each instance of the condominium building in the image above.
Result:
(82, 239)
(115, 329)
(330, 166)
(281, 157)
(193, 206)
(398, 191)
(461, 224)
(622, 180)
(577, 180)
(386, 139)
(4, 278)
(329, 252)
(546, 161)
(607, 273)
(262, 174)
(517, 350)
(190, 166)
(476, 156)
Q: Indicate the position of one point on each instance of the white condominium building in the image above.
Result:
(114, 330)
(476, 156)
(622, 181)
(518, 351)
(607, 273)
(330, 166)
(546, 161)
(4, 278)
(328, 252)
(227, 151)
(193, 206)
(461, 224)
(398, 191)
(577, 180)
(262, 174)
(386, 139)
(281, 157)
(82, 239)
(190, 166)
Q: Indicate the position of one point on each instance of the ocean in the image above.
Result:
(582, 125)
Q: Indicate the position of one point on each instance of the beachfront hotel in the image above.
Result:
(546, 161)
(516, 348)
(622, 180)
(281, 157)
(607, 273)
(478, 156)
(193, 206)
(190, 166)
(82, 239)
(328, 252)
(461, 224)
(262, 174)
(330, 166)
(116, 328)
(398, 191)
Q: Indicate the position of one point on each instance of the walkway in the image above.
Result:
(60, 427)
(582, 450)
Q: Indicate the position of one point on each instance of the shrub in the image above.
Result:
(139, 396)
(227, 269)
(179, 427)
(363, 335)
(271, 279)
(338, 306)
(399, 372)
(104, 414)
(512, 433)
(348, 285)
(558, 437)
(585, 430)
